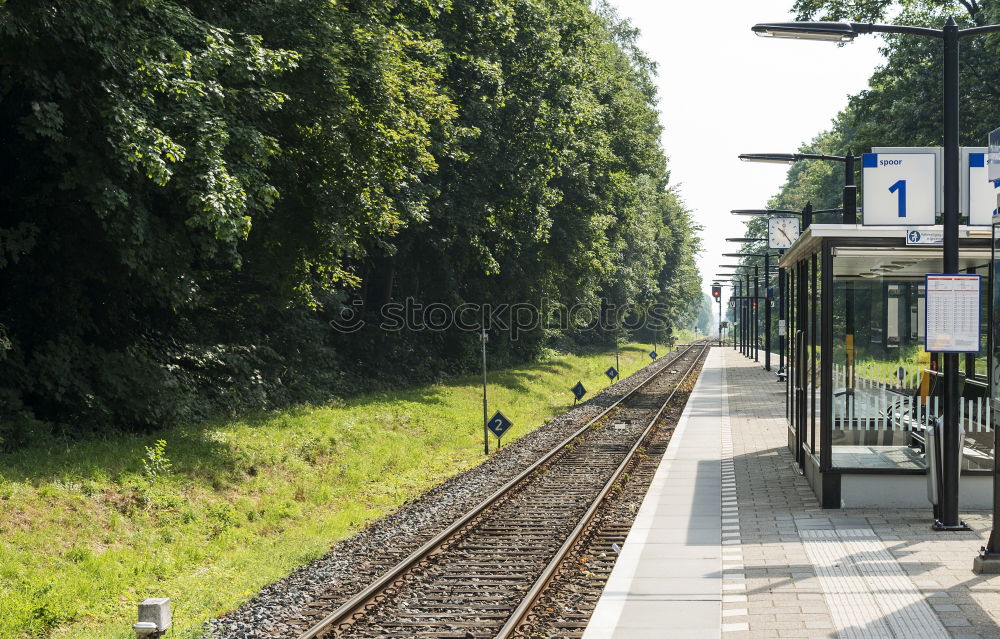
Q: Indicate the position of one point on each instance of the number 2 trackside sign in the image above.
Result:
(899, 188)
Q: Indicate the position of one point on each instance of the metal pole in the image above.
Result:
(992, 549)
(486, 431)
(829, 494)
(617, 365)
(767, 312)
(950, 449)
(734, 332)
(970, 358)
(747, 312)
(801, 367)
(850, 217)
(807, 215)
(850, 190)
(738, 317)
(781, 318)
(755, 308)
(745, 287)
(720, 317)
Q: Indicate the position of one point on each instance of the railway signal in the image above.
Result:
(612, 373)
(578, 392)
(653, 355)
(717, 296)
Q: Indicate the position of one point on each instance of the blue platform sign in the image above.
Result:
(499, 424)
(612, 373)
(579, 391)
(653, 355)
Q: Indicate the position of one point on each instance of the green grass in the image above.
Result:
(86, 532)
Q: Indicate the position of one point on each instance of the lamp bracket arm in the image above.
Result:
(821, 156)
(974, 31)
(896, 28)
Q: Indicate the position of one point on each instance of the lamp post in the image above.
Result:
(756, 298)
(738, 316)
(850, 195)
(767, 298)
(718, 284)
(738, 309)
(950, 36)
(732, 285)
(850, 203)
(806, 214)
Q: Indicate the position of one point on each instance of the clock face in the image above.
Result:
(782, 232)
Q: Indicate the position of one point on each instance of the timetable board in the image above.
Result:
(952, 313)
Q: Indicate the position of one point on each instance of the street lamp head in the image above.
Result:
(772, 158)
(825, 31)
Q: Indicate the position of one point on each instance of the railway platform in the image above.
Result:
(731, 542)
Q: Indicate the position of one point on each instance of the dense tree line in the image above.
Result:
(902, 105)
(193, 190)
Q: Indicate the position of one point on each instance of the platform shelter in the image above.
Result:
(861, 391)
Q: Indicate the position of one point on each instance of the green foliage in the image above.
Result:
(156, 463)
(194, 190)
(903, 104)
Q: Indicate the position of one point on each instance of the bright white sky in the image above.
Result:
(725, 91)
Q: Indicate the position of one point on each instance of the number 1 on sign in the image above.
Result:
(900, 188)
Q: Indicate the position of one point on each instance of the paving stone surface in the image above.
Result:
(791, 569)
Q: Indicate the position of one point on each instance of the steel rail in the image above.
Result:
(519, 616)
(356, 604)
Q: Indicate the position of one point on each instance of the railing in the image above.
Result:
(886, 397)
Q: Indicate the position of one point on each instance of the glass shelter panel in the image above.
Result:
(815, 313)
(791, 362)
(886, 387)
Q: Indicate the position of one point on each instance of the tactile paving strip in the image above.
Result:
(869, 595)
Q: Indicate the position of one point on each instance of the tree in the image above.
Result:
(195, 190)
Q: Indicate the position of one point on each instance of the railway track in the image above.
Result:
(482, 576)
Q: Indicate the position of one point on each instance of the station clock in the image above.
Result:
(782, 232)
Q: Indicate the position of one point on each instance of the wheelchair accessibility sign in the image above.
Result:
(924, 237)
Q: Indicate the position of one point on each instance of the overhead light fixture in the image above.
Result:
(770, 158)
(823, 31)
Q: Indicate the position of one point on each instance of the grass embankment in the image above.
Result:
(89, 529)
